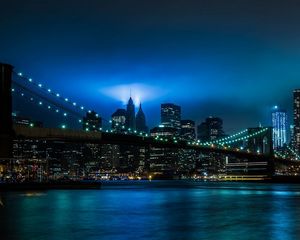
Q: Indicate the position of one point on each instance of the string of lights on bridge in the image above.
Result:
(293, 152)
(228, 137)
(57, 96)
(53, 93)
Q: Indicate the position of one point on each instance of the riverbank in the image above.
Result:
(71, 185)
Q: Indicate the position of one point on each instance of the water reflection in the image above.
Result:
(156, 210)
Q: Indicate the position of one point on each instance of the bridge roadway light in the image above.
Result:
(30, 79)
(63, 126)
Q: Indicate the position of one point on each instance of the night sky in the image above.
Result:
(232, 59)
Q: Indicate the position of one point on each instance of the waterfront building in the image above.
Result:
(279, 124)
(187, 157)
(163, 160)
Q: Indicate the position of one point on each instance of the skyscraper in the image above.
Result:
(171, 116)
(211, 129)
(163, 159)
(187, 157)
(279, 124)
(297, 120)
(188, 130)
(118, 120)
(92, 122)
(141, 121)
(130, 115)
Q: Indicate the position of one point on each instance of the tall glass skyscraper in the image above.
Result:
(171, 116)
(279, 124)
(296, 140)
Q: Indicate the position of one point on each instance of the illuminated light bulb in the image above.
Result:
(80, 120)
(65, 114)
(22, 94)
(49, 90)
(40, 85)
(81, 107)
(49, 107)
(63, 126)
(74, 104)
(57, 110)
(20, 74)
(30, 79)
(12, 89)
(89, 111)
(66, 99)
(57, 95)
(40, 103)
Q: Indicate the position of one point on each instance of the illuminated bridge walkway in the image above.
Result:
(16, 83)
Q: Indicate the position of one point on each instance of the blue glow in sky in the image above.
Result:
(233, 59)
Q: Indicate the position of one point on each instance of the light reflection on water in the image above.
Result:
(155, 210)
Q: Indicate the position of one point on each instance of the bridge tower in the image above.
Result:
(6, 126)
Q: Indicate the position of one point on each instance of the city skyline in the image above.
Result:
(203, 58)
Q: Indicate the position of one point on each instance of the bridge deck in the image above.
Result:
(78, 136)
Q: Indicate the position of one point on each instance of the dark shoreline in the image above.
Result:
(72, 185)
(95, 185)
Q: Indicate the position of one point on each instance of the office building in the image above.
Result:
(279, 124)
(296, 140)
(130, 115)
(141, 121)
(188, 130)
(118, 120)
(210, 130)
(171, 116)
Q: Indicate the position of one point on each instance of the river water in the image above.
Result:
(154, 210)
